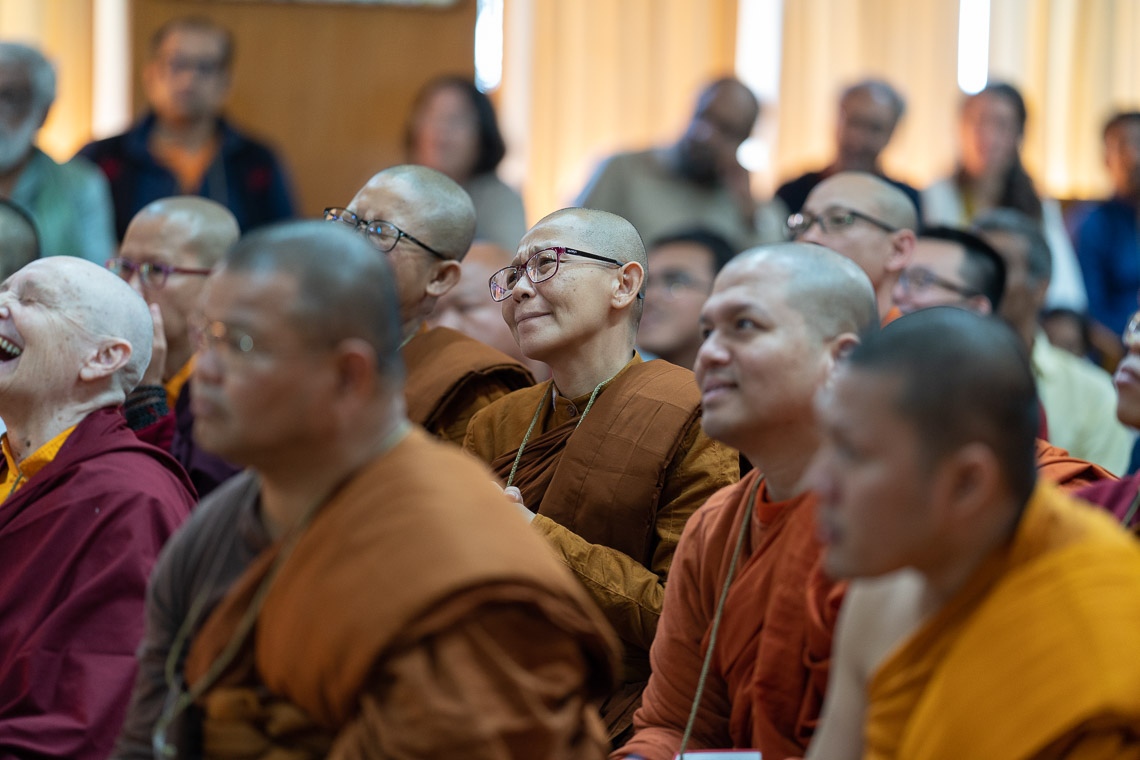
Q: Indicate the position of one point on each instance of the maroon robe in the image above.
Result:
(77, 543)
(1114, 495)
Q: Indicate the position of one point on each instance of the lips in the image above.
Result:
(714, 388)
(519, 319)
(1127, 374)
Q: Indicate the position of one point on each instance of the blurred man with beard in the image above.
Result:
(695, 182)
(70, 203)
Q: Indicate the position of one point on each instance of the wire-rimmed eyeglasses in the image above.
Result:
(380, 233)
(832, 220)
(921, 278)
(151, 274)
(539, 267)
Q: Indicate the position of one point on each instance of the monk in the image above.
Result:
(992, 615)
(363, 590)
(425, 222)
(86, 507)
(170, 246)
(778, 320)
(607, 459)
(868, 220)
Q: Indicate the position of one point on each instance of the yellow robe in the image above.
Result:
(1036, 657)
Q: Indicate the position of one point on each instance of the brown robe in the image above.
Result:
(452, 376)
(416, 614)
(1057, 466)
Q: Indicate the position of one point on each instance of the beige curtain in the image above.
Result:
(583, 78)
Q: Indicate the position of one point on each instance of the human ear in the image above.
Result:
(106, 359)
(444, 278)
(628, 283)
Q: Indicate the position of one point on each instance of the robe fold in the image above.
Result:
(1057, 466)
(771, 659)
(1033, 656)
(396, 559)
(451, 376)
(77, 542)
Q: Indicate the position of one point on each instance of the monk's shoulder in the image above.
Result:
(499, 423)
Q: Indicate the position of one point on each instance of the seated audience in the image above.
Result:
(86, 507)
(990, 611)
(19, 242)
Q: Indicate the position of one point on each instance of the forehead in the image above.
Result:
(759, 285)
(684, 255)
(192, 41)
(991, 106)
(157, 232)
(48, 275)
(1013, 248)
(386, 199)
(842, 193)
(941, 255)
(568, 230)
(865, 104)
(251, 298)
(1124, 132)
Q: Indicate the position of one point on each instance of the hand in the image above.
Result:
(515, 496)
(154, 370)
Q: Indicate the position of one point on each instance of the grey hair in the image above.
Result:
(41, 74)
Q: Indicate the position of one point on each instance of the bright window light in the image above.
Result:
(489, 45)
(973, 45)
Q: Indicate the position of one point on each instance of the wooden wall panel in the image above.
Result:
(329, 85)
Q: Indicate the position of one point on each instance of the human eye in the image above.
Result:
(544, 262)
(840, 219)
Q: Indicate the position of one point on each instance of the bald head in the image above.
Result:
(423, 202)
(871, 195)
(607, 234)
(19, 243)
(201, 228)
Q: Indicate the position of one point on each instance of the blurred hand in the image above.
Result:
(157, 366)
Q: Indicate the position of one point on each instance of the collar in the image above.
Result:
(18, 474)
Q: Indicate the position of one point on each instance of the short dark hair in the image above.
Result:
(1119, 119)
(492, 147)
(1040, 260)
(721, 250)
(965, 378)
(984, 268)
(879, 88)
(195, 24)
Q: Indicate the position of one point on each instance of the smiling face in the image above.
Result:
(681, 276)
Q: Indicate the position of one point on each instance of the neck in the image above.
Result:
(783, 455)
(27, 433)
(684, 357)
(1027, 331)
(409, 329)
(883, 297)
(292, 486)
(958, 563)
(9, 178)
(985, 189)
(187, 134)
(853, 165)
(580, 374)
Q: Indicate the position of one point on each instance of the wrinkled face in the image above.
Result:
(723, 120)
(867, 245)
(260, 390)
(446, 133)
(1122, 157)
(157, 240)
(468, 308)
(20, 119)
(873, 515)
(1127, 377)
(990, 135)
(680, 278)
(559, 316)
(864, 128)
(43, 340)
(760, 361)
(187, 79)
(934, 277)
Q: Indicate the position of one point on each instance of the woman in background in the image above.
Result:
(990, 175)
(453, 130)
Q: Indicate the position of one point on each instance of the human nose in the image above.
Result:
(711, 353)
(524, 286)
(813, 233)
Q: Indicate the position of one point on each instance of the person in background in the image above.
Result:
(990, 175)
(19, 243)
(453, 130)
(682, 268)
(70, 203)
(183, 145)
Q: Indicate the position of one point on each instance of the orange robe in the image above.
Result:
(1057, 466)
(417, 616)
(452, 376)
(1035, 657)
(770, 663)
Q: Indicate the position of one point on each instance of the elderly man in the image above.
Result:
(183, 145)
(866, 219)
(71, 202)
(86, 507)
(778, 320)
(995, 610)
(170, 247)
(868, 113)
(696, 182)
(607, 459)
(19, 242)
(341, 598)
(1077, 396)
(424, 221)
(682, 268)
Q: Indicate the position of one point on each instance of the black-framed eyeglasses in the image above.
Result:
(539, 267)
(151, 274)
(832, 220)
(381, 234)
(920, 278)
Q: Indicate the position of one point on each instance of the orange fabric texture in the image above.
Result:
(16, 475)
(452, 376)
(1031, 659)
(398, 557)
(770, 664)
(1059, 467)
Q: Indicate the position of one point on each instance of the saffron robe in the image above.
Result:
(1032, 658)
(346, 655)
(78, 541)
(772, 655)
(451, 376)
(612, 494)
(1057, 466)
(1116, 496)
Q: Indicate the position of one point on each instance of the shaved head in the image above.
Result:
(607, 234)
(203, 228)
